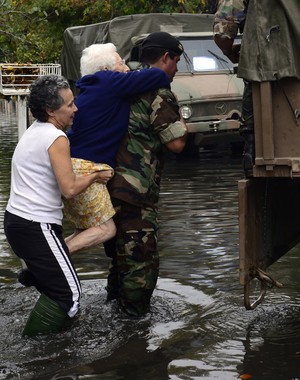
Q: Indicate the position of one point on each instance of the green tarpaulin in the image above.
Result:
(271, 41)
(121, 30)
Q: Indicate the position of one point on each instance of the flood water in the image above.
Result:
(197, 328)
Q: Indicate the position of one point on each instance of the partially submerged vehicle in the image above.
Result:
(269, 201)
(269, 197)
(208, 90)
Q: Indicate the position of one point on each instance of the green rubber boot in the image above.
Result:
(46, 317)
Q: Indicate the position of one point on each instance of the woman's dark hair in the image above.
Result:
(44, 94)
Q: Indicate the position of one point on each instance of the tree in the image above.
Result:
(32, 31)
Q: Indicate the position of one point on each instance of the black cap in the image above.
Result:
(163, 40)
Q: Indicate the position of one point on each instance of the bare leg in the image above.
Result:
(82, 239)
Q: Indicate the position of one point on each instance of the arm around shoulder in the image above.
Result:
(146, 80)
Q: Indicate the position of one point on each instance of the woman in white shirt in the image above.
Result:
(41, 174)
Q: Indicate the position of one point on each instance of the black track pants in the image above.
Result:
(42, 247)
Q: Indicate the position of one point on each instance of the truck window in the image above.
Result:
(204, 55)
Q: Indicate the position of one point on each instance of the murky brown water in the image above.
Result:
(198, 327)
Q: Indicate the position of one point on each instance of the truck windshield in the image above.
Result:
(202, 54)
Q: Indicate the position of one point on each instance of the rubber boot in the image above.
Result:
(46, 317)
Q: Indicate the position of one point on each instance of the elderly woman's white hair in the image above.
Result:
(98, 57)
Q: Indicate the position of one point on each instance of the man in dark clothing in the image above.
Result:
(155, 124)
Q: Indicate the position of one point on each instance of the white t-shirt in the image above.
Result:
(34, 192)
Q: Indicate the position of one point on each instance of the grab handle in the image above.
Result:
(266, 282)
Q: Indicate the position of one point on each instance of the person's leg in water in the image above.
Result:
(42, 247)
(83, 239)
(247, 128)
(137, 261)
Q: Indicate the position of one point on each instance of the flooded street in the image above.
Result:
(197, 328)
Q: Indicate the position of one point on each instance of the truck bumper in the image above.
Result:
(208, 127)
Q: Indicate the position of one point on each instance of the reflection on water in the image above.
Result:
(197, 327)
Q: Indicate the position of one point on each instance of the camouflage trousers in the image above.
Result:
(135, 262)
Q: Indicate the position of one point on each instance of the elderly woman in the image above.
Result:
(41, 173)
(106, 88)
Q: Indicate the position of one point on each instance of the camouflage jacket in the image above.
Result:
(230, 17)
(270, 48)
(154, 121)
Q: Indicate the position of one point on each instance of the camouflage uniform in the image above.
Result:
(230, 17)
(154, 121)
(228, 21)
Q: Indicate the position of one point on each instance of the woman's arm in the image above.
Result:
(69, 183)
(136, 82)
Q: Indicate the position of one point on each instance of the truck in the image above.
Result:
(206, 85)
(269, 196)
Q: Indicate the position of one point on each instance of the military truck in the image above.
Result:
(208, 90)
(269, 197)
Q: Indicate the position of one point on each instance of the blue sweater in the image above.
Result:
(103, 111)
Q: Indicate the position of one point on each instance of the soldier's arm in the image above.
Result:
(228, 47)
(177, 145)
(168, 122)
(227, 21)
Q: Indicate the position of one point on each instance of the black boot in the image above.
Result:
(26, 278)
(249, 148)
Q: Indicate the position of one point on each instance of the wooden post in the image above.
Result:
(22, 114)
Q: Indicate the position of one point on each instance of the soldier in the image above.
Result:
(229, 21)
(269, 50)
(154, 124)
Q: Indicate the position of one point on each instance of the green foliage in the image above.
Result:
(32, 31)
